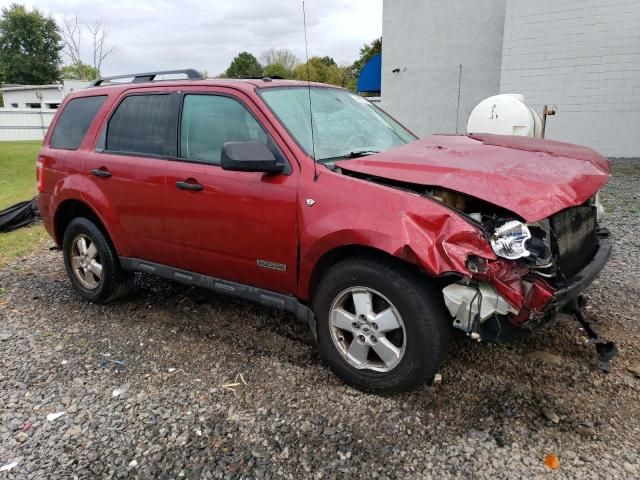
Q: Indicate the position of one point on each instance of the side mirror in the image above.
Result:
(249, 157)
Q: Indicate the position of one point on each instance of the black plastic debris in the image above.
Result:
(606, 350)
(19, 215)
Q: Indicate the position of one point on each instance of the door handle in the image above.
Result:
(101, 172)
(185, 185)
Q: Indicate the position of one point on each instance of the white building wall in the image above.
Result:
(584, 57)
(46, 95)
(69, 86)
(427, 40)
(22, 96)
(24, 123)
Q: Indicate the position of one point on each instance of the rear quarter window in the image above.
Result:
(74, 122)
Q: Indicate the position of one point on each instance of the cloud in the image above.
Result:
(161, 34)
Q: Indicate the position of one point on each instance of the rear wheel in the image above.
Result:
(92, 263)
(381, 326)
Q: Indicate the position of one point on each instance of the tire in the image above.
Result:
(418, 348)
(112, 282)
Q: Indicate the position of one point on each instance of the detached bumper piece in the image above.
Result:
(606, 349)
(569, 300)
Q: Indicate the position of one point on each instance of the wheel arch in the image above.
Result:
(337, 254)
(74, 208)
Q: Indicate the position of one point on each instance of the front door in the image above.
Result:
(239, 226)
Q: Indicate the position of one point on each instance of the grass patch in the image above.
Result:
(627, 169)
(17, 171)
(18, 183)
(21, 242)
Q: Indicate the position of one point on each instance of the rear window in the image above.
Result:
(74, 122)
(144, 125)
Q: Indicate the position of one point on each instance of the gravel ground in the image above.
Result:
(165, 411)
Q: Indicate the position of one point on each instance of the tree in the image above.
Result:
(282, 56)
(279, 63)
(72, 30)
(101, 50)
(30, 47)
(324, 70)
(277, 70)
(328, 61)
(79, 71)
(367, 51)
(244, 65)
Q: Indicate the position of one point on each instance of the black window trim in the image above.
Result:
(84, 137)
(105, 126)
(287, 170)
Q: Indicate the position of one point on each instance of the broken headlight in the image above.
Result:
(508, 240)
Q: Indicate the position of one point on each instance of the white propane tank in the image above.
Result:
(505, 114)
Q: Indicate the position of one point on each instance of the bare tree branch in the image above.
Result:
(99, 40)
(282, 56)
(71, 32)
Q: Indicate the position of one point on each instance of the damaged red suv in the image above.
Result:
(308, 198)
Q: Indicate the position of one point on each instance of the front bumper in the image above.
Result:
(497, 330)
(580, 281)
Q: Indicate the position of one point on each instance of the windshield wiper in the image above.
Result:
(354, 154)
(360, 153)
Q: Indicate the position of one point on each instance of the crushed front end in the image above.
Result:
(533, 207)
(540, 268)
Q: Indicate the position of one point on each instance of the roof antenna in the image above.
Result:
(459, 87)
(306, 49)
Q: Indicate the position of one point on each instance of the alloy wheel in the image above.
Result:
(367, 329)
(85, 261)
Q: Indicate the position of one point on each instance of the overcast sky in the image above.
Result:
(163, 34)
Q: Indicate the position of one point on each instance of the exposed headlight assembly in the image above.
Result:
(508, 240)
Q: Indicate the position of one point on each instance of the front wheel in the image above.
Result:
(381, 326)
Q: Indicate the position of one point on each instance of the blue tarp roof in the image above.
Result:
(370, 75)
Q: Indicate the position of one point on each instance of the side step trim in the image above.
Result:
(239, 290)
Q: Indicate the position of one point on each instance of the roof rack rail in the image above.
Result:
(266, 78)
(191, 74)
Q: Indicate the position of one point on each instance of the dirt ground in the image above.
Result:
(174, 382)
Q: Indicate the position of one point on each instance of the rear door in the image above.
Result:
(126, 175)
(61, 159)
(240, 226)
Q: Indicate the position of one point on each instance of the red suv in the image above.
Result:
(308, 198)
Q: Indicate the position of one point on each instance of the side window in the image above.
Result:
(74, 122)
(208, 121)
(144, 125)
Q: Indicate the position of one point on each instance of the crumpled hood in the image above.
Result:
(531, 177)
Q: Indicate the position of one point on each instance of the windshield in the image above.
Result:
(345, 125)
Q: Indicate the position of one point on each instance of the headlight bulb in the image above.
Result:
(508, 240)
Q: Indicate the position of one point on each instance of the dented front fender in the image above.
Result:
(407, 226)
(350, 211)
